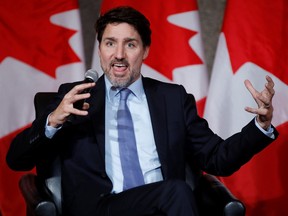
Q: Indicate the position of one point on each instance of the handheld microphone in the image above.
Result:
(90, 76)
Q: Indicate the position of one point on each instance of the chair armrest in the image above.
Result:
(216, 199)
(37, 202)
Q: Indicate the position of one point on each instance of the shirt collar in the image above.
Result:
(136, 88)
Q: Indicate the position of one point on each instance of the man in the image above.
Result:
(166, 128)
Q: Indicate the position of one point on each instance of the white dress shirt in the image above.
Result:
(146, 148)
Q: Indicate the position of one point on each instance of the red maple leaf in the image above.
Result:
(170, 48)
(264, 35)
(28, 35)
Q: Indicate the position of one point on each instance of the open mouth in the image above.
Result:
(119, 66)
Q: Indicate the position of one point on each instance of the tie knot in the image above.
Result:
(124, 93)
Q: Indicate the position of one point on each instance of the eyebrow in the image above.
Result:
(126, 39)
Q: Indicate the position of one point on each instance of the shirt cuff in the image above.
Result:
(269, 132)
(49, 130)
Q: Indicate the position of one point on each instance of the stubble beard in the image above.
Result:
(121, 82)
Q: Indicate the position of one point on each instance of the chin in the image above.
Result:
(120, 83)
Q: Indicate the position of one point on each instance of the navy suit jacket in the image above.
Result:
(181, 136)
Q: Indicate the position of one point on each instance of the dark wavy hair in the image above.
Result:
(125, 14)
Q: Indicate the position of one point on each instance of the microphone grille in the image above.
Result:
(91, 74)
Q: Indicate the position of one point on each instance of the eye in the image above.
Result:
(131, 45)
(109, 43)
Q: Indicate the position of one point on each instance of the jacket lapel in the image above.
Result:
(157, 107)
(97, 114)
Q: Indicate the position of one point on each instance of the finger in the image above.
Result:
(258, 111)
(251, 89)
(270, 81)
(80, 88)
(270, 85)
(74, 94)
(251, 110)
(78, 97)
(265, 101)
(86, 106)
(267, 94)
(79, 112)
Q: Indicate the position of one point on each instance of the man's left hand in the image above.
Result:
(263, 99)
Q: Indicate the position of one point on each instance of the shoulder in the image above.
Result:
(165, 89)
(169, 91)
(160, 85)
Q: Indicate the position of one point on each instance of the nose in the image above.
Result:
(119, 52)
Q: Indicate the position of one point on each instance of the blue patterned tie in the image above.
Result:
(131, 169)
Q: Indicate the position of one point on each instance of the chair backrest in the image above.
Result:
(41, 101)
(53, 183)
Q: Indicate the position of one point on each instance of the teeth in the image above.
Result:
(119, 65)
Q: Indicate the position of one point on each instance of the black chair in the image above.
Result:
(43, 196)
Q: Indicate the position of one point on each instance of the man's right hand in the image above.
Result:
(60, 115)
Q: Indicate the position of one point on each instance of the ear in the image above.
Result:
(146, 52)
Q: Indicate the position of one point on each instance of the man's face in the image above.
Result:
(121, 54)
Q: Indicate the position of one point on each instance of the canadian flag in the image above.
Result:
(253, 44)
(176, 52)
(40, 47)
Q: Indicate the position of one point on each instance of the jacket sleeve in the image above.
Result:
(31, 145)
(213, 154)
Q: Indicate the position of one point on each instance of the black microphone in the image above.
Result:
(90, 76)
